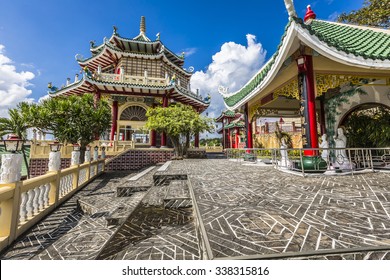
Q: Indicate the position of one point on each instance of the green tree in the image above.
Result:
(16, 124)
(179, 122)
(374, 13)
(368, 128)
(72, 119)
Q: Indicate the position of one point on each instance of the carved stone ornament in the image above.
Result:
(75, 160)
(87, 156)
(11, 168)
(54, 161)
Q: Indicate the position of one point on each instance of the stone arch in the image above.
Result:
(133, 113)
(361, 107)
(375, 94)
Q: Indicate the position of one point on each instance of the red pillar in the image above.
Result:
(114, 114)
(248, 124)
(237, 137)
(308, 105)
(153, 136)
(196, 140)
(163, 135)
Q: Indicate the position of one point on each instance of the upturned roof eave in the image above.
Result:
(315, 43)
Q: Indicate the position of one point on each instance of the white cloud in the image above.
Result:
(13, 85)
(333, 16)
(189, 51)
(231, 67)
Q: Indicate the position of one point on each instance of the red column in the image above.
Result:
(114, 113)
(308, 105)
(153, 136)
(196, 140)
(163, 135)
(248, 124)
(311, 101)
(237, 137)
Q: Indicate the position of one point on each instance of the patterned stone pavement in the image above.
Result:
(248, 212)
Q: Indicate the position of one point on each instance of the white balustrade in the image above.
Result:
(92, 171)
(66, 185)
(100, 167)
(82, 176)
(22, 208)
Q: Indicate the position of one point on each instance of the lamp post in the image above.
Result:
(11, 167)
(96, 153)
(55, 156)
(75, 160)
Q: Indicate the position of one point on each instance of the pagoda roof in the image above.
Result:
(238, 124)
(140, 45)
(357, 46)
(226, 114)
(109, 53)
(89, 84)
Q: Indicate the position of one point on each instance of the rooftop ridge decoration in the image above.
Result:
(368, 48)
(290, 8)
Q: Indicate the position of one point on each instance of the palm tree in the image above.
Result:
(16, 124)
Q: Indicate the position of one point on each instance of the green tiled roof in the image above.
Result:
(233, 125)
(365, 43)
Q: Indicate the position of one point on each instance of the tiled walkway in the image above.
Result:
(245, 212)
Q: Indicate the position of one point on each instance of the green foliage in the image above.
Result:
(211, 142)
(331, 108)
(283, 135)
(373, 13)
(178, 122)
(15, 124)
(368, 128)
(71, 119)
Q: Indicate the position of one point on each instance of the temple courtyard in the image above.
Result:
(216, 209)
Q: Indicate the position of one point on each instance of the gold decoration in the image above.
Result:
(290, 90)
(257, 111)
(324, 82)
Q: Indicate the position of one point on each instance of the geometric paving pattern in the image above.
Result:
(269, 212)
(248, 212)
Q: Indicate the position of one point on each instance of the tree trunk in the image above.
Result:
(187, 144)
(82, 153)
(177, 147)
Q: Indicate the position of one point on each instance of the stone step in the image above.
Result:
(177, 195)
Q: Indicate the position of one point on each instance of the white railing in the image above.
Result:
(24, 203)
(336, 159)
(138, 80)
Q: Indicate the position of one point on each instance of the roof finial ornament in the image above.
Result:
(115, 29)
(310, 15)
(142, 26)
(290, 8)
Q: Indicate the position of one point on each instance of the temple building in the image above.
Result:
(134, 74)
(320, 73)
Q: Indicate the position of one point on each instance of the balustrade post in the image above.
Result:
(11, 168)
(15, 213)
(76, 173)
(88, 173)
(54, 192)
(54, 161)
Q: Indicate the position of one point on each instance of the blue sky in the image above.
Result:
(39, 39)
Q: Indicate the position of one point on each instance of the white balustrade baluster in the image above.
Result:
(29, 204)
(35, 201)
(46, 199)
(22, 209)
(41, 204)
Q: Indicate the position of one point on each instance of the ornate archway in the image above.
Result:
(133, 113)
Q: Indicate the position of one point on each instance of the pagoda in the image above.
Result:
(134, 75)
(320, 73)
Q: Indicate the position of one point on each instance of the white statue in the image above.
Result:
(284, 162)
(324, 145)
(341, 143)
